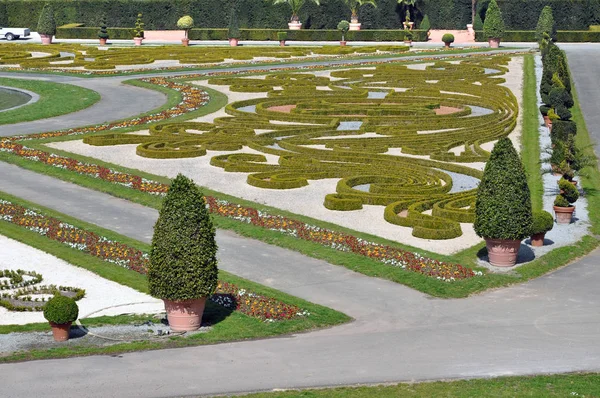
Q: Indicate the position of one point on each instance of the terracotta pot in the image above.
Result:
(102, 42)
(138, 41)
(547, 121)
(46, 39)
(537, 240)
(494, 43)
(343, 43)
(60, 332)
(185, 42)
(295, 25)
(447, 45)
(281, 43)
(185, 316)
(564, 215)
(233, 42)
(502, 252)
(408, 43)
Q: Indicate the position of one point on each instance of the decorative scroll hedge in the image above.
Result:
(395, 153)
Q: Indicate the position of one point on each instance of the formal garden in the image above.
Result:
(446, 169)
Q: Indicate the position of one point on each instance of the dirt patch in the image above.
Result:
(446, 110)
(282, 108)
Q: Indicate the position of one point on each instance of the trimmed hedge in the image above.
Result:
(77, 31)
(565, 36)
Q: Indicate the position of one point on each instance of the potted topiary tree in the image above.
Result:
(343, 27)
(408, 38)
(563, 203)
(61, 312)
(545, 25)
(295, 5)
(503, 206)
(354, 6)
(493, 26)
(46, 24)
(448, 38)
(183, 259)
(282, 37)
(233, 34)
(425, 25)
(186, 23)
(103, 32)
(542, 223)
(138, 31)
(408, 5)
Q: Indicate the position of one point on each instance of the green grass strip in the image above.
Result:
(530, 137)
(566, 385)
(55, 99)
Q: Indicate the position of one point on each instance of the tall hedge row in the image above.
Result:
(163, 14)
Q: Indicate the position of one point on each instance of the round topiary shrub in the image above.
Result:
(343, 27)
(46, 23)
(183, 259)
(61, 310)
(503, 205)
(493, 25)
(542, 222)
(448, 38)
(185, 23)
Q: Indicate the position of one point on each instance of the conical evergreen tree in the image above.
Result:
(503, 207)
(493, 25)
(47, 23)
(183, 259)
(546, 25)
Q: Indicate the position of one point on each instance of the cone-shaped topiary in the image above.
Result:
(425, 24)
(61, 310)
(138, 31)
(503, 206)
(103, 32)
(546, 25)
(46, 23)
(234, 27)
(183, 259)
(493, 25)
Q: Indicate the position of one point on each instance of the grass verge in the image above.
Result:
(55, 99)
(565, 385)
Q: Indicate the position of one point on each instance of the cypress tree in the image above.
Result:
(47, 23)
(493, 25)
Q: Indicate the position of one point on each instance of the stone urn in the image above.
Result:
(60, 332)
(185, 316)
(494, 43)
(354, 24)
(502, 252)
(564, 215)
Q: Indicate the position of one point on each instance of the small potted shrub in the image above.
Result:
(233, 34)
(448, 39)
(493, 26)
(61, 312)
(183, 259)
(46, 24)
(282, 37)
(563, 207)
(408, 38)
(103, 32)
(138, 31)
(343, 27)
(354, 6)
(185, 23)
(542, 223)
(503, 206)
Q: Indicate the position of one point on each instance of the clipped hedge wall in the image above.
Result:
(564, 36)
(76, 31)
(259, 14)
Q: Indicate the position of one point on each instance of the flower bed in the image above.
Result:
(229, 295)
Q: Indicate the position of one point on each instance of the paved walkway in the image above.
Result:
(551, 324)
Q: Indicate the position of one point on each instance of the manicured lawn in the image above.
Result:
(55, 99)
(568, 385)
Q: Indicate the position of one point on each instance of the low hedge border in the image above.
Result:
(563, 36)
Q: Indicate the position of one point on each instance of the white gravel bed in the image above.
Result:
(100, 293)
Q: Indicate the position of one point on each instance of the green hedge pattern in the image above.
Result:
(308, 110)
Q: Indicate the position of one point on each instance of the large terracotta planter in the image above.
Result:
(185, 42)
(233, 42)
(343, 43)
(502, 252)
(60, 332)
(102, 41)
(138, 41)
(185, 316)
(295, 25)
(494, 43)
(564, 215)
(537, 240)
(281, 43)
(447, 46)
(46, 39)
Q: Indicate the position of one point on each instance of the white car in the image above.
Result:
(14, 33)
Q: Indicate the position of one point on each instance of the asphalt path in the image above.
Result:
(548, 325)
